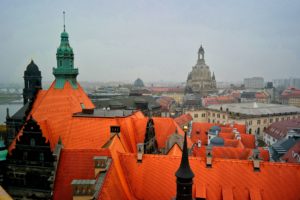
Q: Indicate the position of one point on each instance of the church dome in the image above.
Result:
(64, 34)
(217, 141)
(138, 83)
(32, 69)
(214, 130)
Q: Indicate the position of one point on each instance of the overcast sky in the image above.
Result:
(153, 40)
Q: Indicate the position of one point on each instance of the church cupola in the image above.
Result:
(184, 176)
(65, 70)
(32, 81)
(201, 53)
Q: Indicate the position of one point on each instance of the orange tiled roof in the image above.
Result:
(199, 131)
(235, 178)
(230, 153)
(53, 110)
(74, 164)
(248, 140)
(226, 135)
(183, 119)
(175, 150)
(293, 154)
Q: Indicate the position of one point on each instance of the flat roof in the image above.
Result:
(106, 113)
(256, 108)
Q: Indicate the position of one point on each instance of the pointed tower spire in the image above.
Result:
(7, 113)
(65, 70)
(64, 15)
(184, 175)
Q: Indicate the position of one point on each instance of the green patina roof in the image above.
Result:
(65, 70)
(3, 153)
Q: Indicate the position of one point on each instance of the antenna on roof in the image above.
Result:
(64, 17)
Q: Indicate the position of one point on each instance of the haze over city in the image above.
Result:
(153, 40)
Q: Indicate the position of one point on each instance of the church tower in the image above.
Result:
(200, 80)
(32, 81)
(65, 70)
(184, 176)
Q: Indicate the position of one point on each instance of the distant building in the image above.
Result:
(291, 96)
(200, 80)
(286, 150)
(138, 83)
(284, 83)
(177, 93)
(256, 116)
(145, 103)
(167, 106)
(277, 131)
(206, 101)
(254, 83)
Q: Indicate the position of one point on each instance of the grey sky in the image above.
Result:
(153, 40)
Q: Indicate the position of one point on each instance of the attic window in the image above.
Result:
(82, 105)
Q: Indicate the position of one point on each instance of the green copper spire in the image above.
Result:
(65, 70)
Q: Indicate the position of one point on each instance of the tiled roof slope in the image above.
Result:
(175, 150)
(183, 119)
(293, 155)
(53, 110)
(200, 129)
(234, 178)
(290, 92)
(74, 164)
(230, 153)
(280, 129)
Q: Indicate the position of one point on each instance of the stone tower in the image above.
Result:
(65, 70)
(184, 176)
(200, 80)
(32, 81)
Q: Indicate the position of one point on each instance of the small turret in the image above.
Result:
(184, 175)
(32, 82)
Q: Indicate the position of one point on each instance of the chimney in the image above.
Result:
(199, 143)
(140, 152)
(100, 164)
(83, 189)
(209, 156)
(256, 160)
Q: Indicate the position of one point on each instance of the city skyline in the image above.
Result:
(156, 41)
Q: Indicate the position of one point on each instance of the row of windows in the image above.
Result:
(258, 122)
